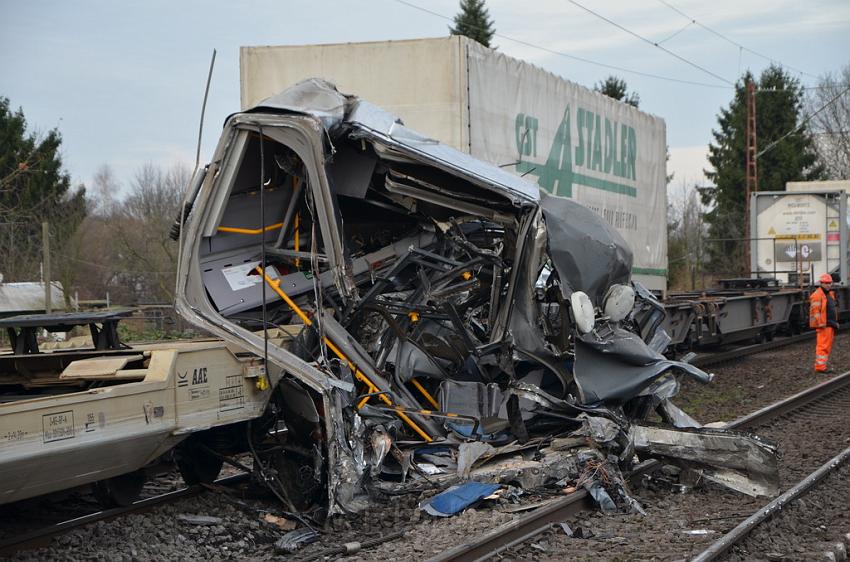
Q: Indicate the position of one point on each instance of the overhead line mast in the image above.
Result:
(751, 183)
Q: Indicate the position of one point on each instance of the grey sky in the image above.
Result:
(123, 81)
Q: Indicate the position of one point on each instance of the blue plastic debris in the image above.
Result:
(457, 498)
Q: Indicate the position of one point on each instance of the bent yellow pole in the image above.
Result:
(358, 374)
(237, 230)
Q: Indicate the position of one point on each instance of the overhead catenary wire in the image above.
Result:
(573, 57)
(803, 122)
(726, 86)
(684, 27)
(732, 41)
(651, 42)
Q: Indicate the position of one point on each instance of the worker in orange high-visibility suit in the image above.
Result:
(823, 317)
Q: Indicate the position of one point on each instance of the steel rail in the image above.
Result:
(739, 533)
(711, 358)
(39, 537)
(706, 359)
(518, 530)
(795, 402)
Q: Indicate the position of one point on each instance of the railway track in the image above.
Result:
(706, 359)
(800, 408)
(744, 530)
(42, 535)
(519, 530)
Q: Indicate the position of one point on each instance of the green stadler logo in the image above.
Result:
(603, 146)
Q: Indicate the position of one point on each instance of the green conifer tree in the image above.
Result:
(779, 109)
(474, 21)
(34, 187)
(616, 88)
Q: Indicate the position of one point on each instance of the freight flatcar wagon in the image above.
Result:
(102, 414)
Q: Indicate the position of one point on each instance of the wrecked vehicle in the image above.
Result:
(444, 319)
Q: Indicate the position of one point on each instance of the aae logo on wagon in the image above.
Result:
(602, 146)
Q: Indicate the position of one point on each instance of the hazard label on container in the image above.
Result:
(798, 236)
(833, 225)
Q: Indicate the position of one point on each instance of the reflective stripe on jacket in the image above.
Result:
(819, 306)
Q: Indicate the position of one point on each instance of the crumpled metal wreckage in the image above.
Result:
(441, 319)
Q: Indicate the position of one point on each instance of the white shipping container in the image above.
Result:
(575, 142)
(799, 232)
(827, 185)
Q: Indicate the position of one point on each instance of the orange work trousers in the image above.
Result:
(824, 346)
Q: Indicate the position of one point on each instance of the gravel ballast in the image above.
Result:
(676, 525)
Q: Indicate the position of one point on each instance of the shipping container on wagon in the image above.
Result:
(576, 143)
(799, 234)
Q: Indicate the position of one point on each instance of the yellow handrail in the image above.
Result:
(425, 393)
(358, 374)
(236, 230)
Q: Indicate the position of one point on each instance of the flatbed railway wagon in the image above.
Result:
(102, 414)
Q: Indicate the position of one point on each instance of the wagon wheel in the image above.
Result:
(288, 469)
(197, 463)
(296, 477)
(119, 491)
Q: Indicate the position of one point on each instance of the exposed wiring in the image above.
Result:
(266, 379)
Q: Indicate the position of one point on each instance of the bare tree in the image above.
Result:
(831, 126)
(89, 264)
(146, 256)
(685, 232)
(104, 190)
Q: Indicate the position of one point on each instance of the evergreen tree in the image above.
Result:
(616, 88)
(474, 21)
(779, 105)
(33, 188)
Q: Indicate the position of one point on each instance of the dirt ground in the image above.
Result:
(679, 525)
(756, 381)
(805, 529)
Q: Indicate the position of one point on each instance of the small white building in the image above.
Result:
(28, 298)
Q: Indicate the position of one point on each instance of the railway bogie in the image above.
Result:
(738, 316)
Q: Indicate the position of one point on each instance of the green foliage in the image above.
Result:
(129, 334)
(779, 104)
(616, 88)
(33, 188)
(474, 21)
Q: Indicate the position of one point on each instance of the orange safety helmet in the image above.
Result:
(826, 278)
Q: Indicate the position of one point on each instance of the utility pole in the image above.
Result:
(752, 181)
(45, 247)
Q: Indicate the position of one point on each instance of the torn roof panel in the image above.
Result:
(323, 101)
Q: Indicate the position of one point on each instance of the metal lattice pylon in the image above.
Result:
(751, 172)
